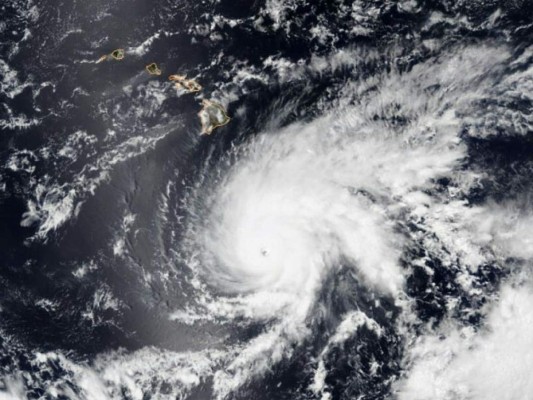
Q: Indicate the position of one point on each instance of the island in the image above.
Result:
(212, 116)
(153, 69)
(117, 54)
(190, 85)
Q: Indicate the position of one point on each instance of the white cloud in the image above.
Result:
(494, 363)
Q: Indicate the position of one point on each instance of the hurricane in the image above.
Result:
(309, 200)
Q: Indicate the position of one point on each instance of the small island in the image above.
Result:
(117, 54)
(153, 69)
(212, 116)
(189, 85)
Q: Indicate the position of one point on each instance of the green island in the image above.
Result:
(212, 116)
(117, 54)
(153, 69)
(190, 85)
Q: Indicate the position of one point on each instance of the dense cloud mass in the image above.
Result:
(359, 229)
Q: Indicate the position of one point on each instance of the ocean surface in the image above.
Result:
(361, 229)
